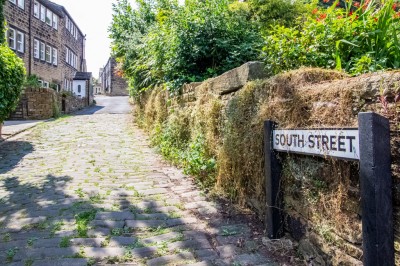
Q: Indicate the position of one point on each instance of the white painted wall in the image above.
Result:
(75, 88)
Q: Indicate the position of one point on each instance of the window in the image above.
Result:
(36, 9)
(21, 4)
(42, 13)
(20, 42)
(41, 83)
(79, 88)
(11, 38)
(54, 56)
(36, 49)
(45, 84)
(48, 54)
(49, 17)
(55, 21)
(42, 52)
(13, 1)
(65, 84)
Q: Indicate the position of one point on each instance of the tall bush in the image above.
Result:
(181, 43)
(360, 38)
(12, 75)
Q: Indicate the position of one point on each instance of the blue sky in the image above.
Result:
(93, 18)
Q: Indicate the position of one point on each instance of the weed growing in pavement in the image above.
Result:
(82, 220)
(57, 226)
(7, 237)
(28, 262)
(11, 253)
(31, 241)
(97, 170)
(80, 193)
(228, 232)
(98, 198)
(65, 242)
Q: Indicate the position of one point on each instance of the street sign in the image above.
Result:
(339, 143)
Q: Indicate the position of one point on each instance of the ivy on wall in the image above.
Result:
(2, 22)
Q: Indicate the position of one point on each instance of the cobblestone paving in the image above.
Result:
(88, 190)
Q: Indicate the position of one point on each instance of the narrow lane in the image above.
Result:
(88, 190)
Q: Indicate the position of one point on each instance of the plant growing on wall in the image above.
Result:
(12, 76)
(362, 37)
(2, 22)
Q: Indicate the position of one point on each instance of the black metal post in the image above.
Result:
(273, 169)
(376, 190)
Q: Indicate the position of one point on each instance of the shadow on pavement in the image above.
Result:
(11, 153)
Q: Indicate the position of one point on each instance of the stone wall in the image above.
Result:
(38, 104)
(322, 197)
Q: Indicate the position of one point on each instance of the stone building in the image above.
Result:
(112, 84)
(46, 37)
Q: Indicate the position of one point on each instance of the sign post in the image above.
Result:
(376, 190)
(370, 144)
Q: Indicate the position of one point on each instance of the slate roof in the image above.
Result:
(59, 10)
(56, 8)
(83, 76)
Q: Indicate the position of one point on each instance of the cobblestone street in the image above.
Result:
(89, 190)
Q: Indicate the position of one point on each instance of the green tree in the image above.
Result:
(162, 42)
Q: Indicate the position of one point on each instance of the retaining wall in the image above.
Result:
(321, 196)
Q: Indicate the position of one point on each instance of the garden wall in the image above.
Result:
(37, 104)
(322, 199)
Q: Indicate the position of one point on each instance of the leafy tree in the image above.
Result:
(162, 42)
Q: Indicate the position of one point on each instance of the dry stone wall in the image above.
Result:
(321, 196)
(37, 104)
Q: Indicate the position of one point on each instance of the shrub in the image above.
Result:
(363, 37)
(164, 42)
(12, 75)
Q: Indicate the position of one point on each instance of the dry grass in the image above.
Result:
(322, 192)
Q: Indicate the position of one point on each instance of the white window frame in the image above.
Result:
(48, 54)
(54, 57)
(20, 44)
(36, 51)
(42, 51)
(41, 83)
(21, 4)
(42, 13)
(55, 21)
(11, 36)
(36, 9)
(49, 17)
(13, 1)
(45, 84)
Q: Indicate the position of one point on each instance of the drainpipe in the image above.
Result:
(30, 38)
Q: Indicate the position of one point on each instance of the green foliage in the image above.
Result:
(2, 22)
(164, 42)
(82, 221)
(363, 37)
(12, 76)
(174, 140)
(277, 12)
(32, 81)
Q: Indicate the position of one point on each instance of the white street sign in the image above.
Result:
(341, 143)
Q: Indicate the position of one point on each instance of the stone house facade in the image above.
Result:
(112, 84)
(46, 37)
